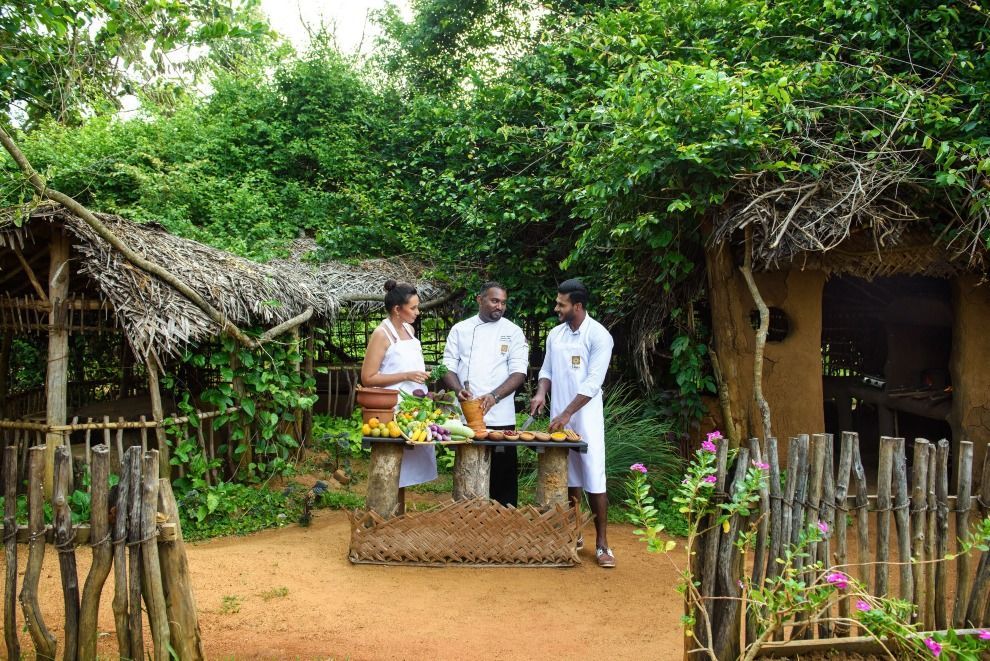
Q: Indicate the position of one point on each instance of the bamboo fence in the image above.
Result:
(133, 531)
(820, 489)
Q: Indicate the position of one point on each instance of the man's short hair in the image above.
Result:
(575, 290)
(491, 284)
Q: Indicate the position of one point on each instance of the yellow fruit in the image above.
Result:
(376, 431)
(373, 423)
(365, 429)
(394, 432)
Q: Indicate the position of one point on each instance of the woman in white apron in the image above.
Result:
(394, 359)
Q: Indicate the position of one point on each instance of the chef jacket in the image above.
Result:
(575, 364)
(483, 355)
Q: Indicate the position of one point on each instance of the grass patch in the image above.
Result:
(443, 484)
(341, 500)
(230, 604)
(275, 593)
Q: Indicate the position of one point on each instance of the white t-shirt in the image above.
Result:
(483, 355)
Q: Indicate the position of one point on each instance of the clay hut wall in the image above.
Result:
(969, 365)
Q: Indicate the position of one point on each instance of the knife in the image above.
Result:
(526, 424)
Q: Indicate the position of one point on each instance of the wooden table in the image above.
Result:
(472, 470)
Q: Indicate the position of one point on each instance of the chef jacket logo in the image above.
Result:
(504, 348)
(575, 361)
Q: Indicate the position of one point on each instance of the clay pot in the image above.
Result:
(472, 414)
(383, 415)
(377, 398)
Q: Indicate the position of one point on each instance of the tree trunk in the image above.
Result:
(472, 470)
(728, 340)
(58, 347)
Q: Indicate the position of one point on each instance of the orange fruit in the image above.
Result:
(373, 423)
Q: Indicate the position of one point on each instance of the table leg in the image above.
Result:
(551, 485)
(383, 478)
(472, 471)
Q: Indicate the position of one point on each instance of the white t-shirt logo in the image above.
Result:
(575, 361)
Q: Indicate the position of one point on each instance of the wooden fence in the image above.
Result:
(134, 533)
(817, 489)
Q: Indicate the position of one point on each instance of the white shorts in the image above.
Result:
(587, 469)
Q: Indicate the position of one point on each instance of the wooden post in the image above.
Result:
(5, 344)
(102, 552)
(472, 472)
(180, 604)
(919, 505)
(158, 415)
(902, 517)
(759, 554)
(827, 514)
(10, 552)
(155, 596)
(776, 513)
(120, 605)
(709, 563)
(862, 514)
(930, 534)
(841, 492)
(134, 554)
(56, 381)
(800, 494)
(308, 371)
(964, 493)
(884, 477)
(977, 599)
(941, 576)
(65, 545)
(44, 641)
(551, 483)
(383, 478)
(725, 629)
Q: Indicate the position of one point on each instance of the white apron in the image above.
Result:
(419, 464)
(569, 365)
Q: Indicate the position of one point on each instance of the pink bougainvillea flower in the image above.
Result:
(714, 436)
(863, 606)
(638, 467)
(762, 466)
(838, 579)
(708, 446)
(823, 527)
(933, 646)
(711, 479)
(984, 634)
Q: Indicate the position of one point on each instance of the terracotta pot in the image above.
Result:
(472, 413)
(383, 415)
(377, 398)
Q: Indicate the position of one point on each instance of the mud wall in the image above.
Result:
(792, 368)
(968, 365)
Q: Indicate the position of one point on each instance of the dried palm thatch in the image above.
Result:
(869, 205)
(156, 317)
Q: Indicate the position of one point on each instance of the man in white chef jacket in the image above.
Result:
(578, 353)
(487, 356)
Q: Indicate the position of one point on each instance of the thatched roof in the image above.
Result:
(155, 316)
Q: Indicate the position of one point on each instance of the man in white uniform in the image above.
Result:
(487, 356)
(577, 357)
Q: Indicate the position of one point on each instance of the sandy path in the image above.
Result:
(292, 594)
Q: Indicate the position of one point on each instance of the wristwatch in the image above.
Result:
(494, 396)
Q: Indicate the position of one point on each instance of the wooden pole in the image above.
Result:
(5, 344)
(976, 613)
(964, 492)
(828, 516)
(383, 479)
(726, 611)
(930, 535)
(942, 524)
(862, 515)
(180, 604)
(841, 491)
(551, 483)
(157, 413)
(710, 566)
(919, 505)
(308, 371)
(44, 641)
(120, 605)
(66, 547)
(776, 513)
(56, 380)
(102, 552)
(762, 531)
(902, 517)
(134, 554)
(155, 597)
(10, 552)
(884, 477)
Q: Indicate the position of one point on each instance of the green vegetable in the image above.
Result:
(438, 372)
(457, 429)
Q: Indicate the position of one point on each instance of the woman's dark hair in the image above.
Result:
(575, 290)
(397, 293)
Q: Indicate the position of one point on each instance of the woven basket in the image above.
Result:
(469, 532)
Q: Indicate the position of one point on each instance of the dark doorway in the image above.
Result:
(885, 358)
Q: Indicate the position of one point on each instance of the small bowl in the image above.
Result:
(496, 436)
(481, 435)
(541, 436)
(527, 436)
(511, 435)
(377, 398)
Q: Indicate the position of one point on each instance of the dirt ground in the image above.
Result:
(291, 593)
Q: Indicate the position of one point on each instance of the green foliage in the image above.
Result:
(65, 60)
(231, 508)
(341, 500)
